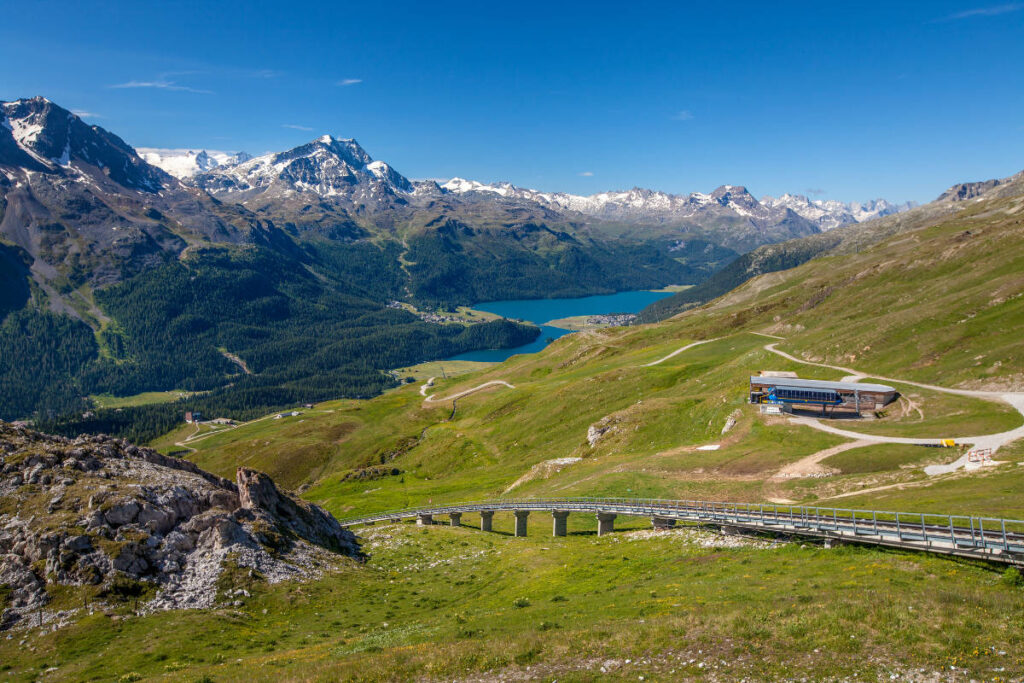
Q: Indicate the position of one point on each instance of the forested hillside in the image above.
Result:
(300, 337)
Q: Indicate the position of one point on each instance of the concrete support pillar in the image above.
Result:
(424, 519)
(561, 528)
(456, 518)
(663, 522)
(521, 516)
(605, 523)
(486, 517)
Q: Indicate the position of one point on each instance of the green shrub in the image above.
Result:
(1012, 577)
(123, 588)
(521, 602)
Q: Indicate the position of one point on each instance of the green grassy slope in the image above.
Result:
(941, 304)
(451, 603)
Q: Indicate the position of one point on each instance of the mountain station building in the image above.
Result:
(785, 393)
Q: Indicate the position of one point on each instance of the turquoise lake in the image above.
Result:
(540, 311)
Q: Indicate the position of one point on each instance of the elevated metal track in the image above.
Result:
(985, 538)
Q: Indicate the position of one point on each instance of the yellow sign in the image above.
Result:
(948, 443)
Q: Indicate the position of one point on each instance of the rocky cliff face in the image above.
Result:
(98, 511)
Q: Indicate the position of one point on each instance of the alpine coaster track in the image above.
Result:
(983, 538)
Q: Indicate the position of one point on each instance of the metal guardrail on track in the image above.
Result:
(988, 538)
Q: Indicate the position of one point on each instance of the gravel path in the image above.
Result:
(679, 351)
(435, 398)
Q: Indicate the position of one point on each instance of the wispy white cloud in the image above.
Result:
(349, 81)
(683, 115)
(815, 191)
(587, 174)
(82, 114)
(992, 11)
(160, 85)
(294, 126)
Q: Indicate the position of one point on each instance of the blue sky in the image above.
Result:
(840, 100)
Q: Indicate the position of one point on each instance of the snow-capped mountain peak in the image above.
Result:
(327, 166)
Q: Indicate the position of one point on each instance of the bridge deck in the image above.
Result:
(998, 540)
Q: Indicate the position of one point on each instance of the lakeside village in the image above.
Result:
(468, 316)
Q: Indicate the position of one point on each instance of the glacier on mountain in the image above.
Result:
(185, 163)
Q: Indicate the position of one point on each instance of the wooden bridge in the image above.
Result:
(984, 538)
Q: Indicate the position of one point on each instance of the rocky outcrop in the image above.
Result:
(596, 431)
(731, 421)
(98, 511)
(258, 494)
(543, 470)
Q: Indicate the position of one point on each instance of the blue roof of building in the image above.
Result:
(795, 383)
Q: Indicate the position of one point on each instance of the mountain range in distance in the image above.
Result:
(637, 204)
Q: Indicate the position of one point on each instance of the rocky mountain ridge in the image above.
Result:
(84, 207)
(100, 512)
